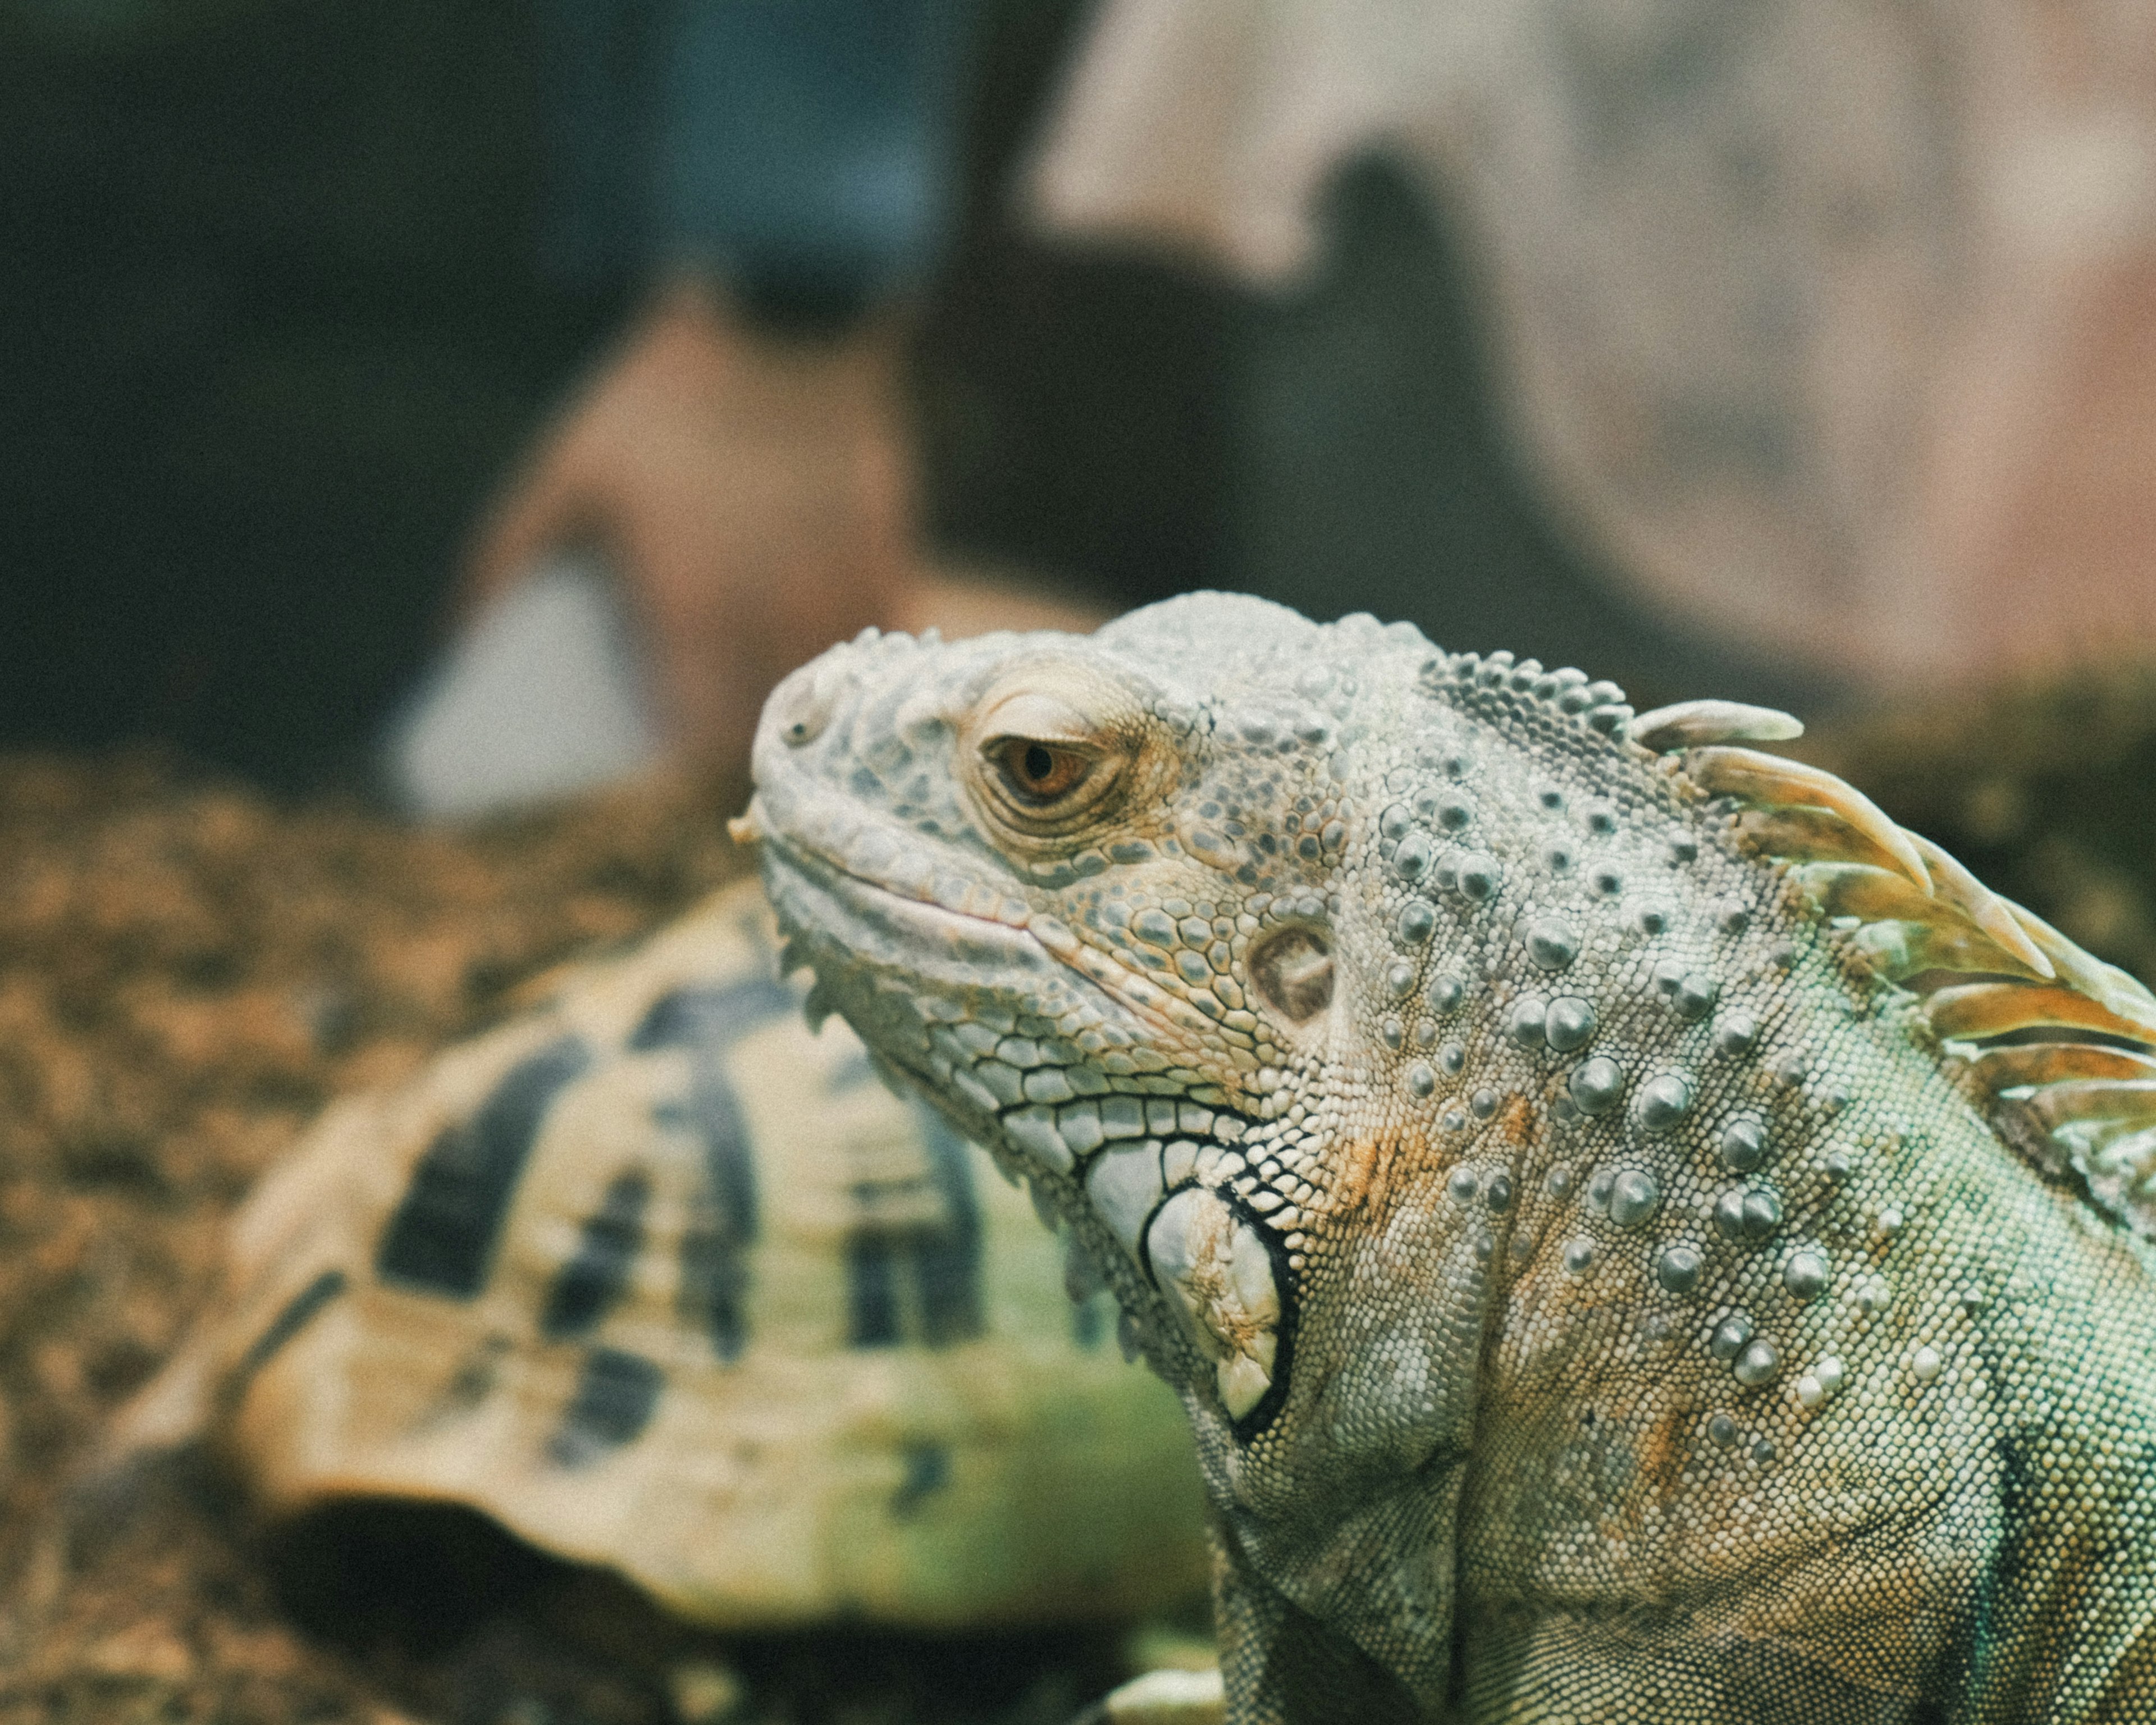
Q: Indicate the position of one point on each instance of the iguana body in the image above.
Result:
(1598, 1291)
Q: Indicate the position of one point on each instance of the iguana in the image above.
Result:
(1638, 1236)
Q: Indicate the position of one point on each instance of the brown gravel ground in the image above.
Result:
(186, 973)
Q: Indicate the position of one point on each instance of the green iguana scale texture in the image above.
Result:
(1638, 1236)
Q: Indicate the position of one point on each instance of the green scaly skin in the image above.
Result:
(1595, 1294)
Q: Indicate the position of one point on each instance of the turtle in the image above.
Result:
(663, 1278)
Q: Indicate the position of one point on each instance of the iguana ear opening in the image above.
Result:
(1293, 970)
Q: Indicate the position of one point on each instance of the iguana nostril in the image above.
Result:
(803, 705)
(1293, 970)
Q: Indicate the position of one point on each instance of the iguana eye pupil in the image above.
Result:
(1040, 773)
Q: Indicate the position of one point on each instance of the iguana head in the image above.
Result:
(1402, 1034)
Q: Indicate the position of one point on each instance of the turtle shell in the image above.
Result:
(661, 1280)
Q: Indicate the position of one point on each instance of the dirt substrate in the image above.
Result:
(186, 973)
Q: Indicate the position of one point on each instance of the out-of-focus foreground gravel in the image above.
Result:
(186, 973)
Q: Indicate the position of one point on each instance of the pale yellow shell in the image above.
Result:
(806, 1358)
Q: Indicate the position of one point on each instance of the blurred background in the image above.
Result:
(290, 291)
(1802, 354)
(287, 293)
(431, 407)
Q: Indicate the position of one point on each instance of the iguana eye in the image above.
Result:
(1047, 763)
(1038, 773)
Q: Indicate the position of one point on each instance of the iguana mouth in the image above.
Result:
(872, 905)
(963, 914)
(809, 828)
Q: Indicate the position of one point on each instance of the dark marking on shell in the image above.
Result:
(935, 1266)
(614, 1398)
(706, 1018)
(590, 1284)
(295, 1315)
(442, 1236)
(724, 1218)
(927, 1465)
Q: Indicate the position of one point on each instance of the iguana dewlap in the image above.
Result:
(1638, 1235)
